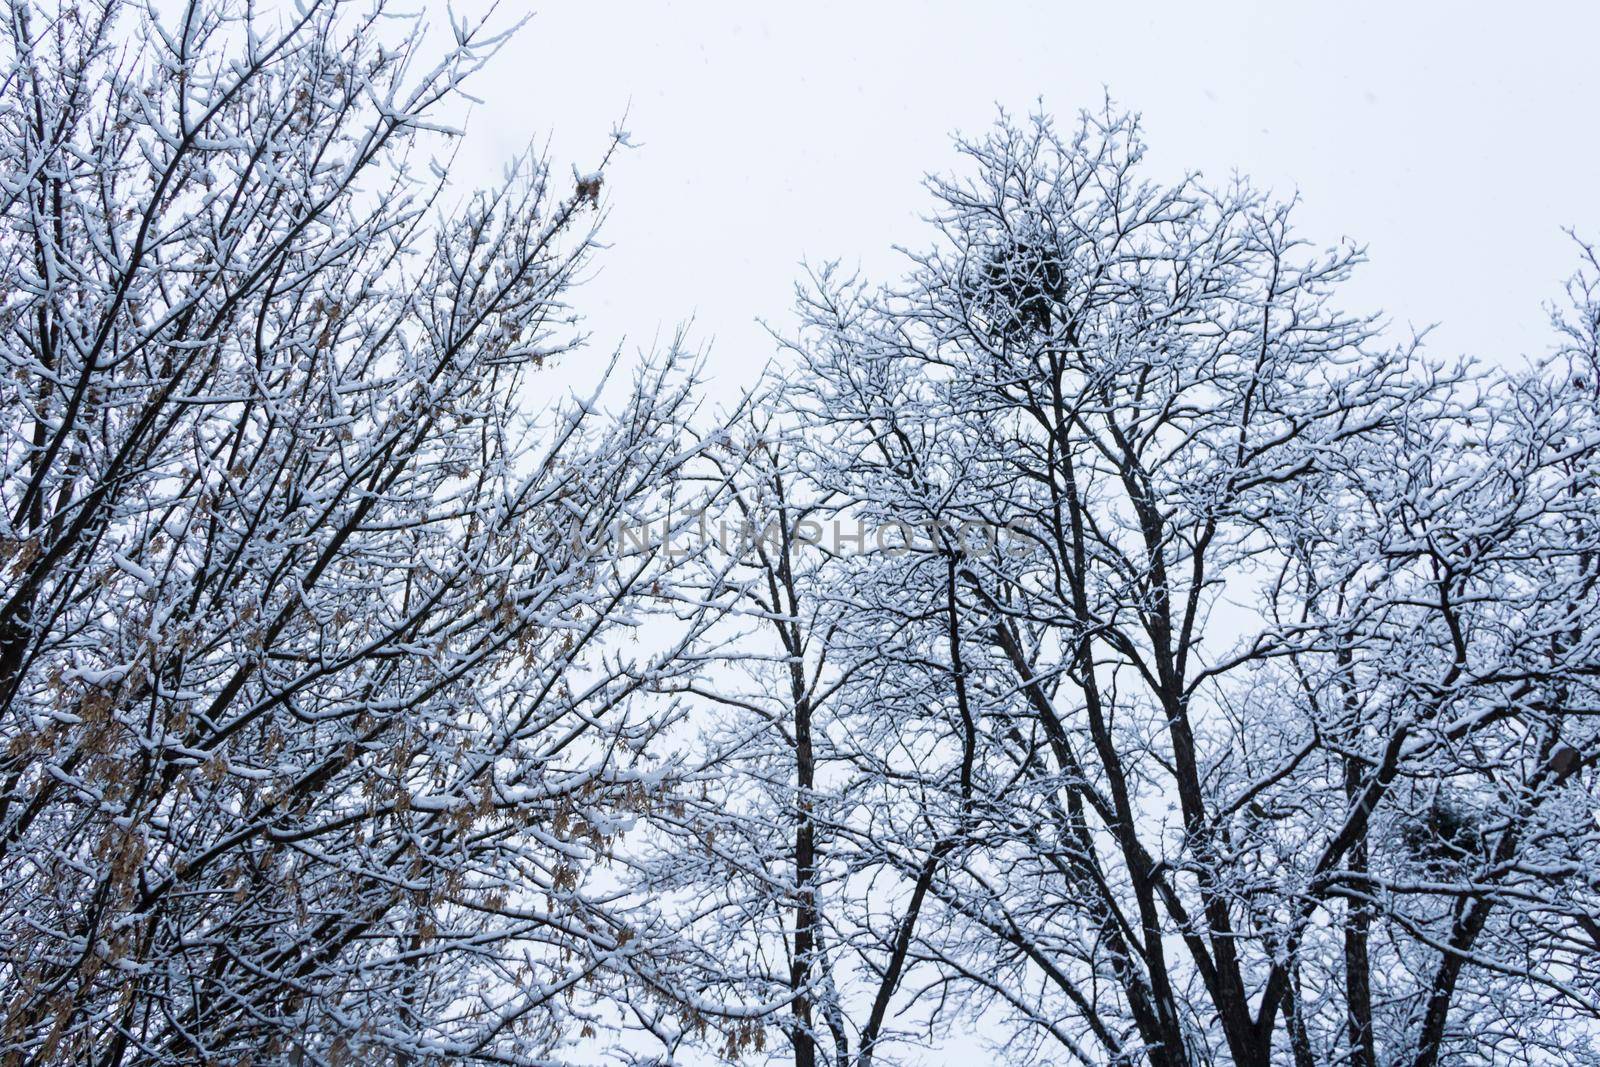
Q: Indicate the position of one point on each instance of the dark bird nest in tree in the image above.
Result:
(1021, 285)
(1445, 836)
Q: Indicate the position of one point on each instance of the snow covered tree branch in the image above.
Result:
(319, 699)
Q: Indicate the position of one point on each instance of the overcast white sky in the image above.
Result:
(1454, 140)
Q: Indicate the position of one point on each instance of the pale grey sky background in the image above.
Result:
(1454, 140)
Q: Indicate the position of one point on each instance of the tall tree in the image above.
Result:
(1259, 737)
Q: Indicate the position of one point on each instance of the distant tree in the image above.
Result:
(319, 682)
(742, 842)
(759, 850)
